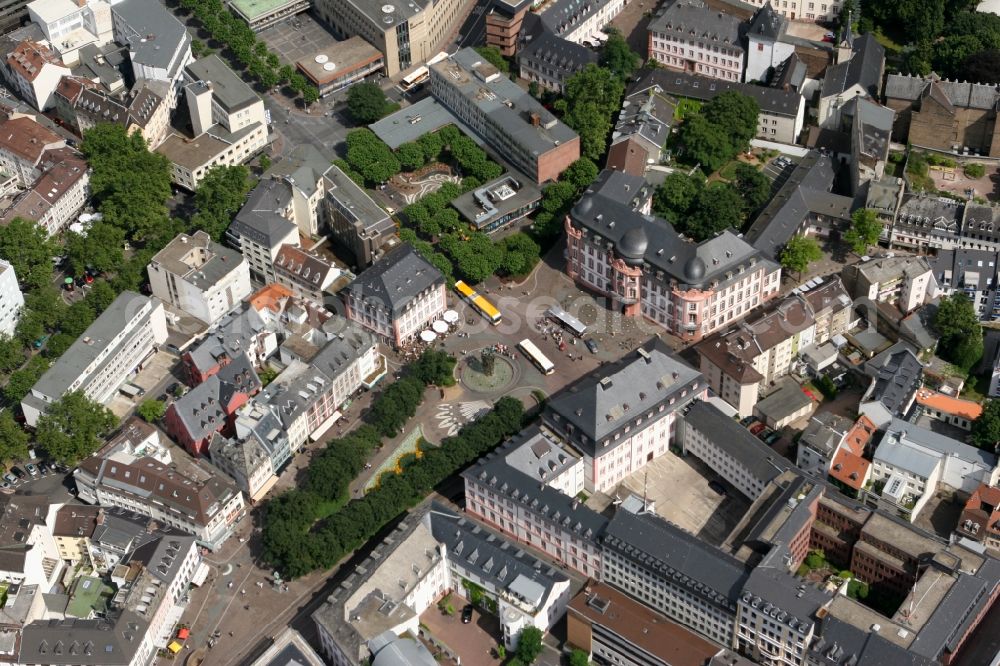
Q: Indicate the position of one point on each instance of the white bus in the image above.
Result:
(567, 321)
(417, 77)
(536, 356)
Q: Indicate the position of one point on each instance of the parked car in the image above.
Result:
(764, 434)
(172, 388)
(32, 470)
(591, 345)
(10, 478)
(718, 487)
(756, 427)
(18, 472)
(467, 614)
(6, 487)
(746, 421)
(772, 438)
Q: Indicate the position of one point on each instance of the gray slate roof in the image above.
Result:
(205, 408)
(693, 86)
(611, 398)
(897, 374)
(258, 219)
(657, 545)
(396, 279)
(82, 642)
(784, 402)
(145, 19)
(692, 19)
(767, 24)
(542, 48)
(959, 93)
(229, 90)
(231, 337)
(736, 441)
(864, 69)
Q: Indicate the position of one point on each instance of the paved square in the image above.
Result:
(679, 489)
(297, 37)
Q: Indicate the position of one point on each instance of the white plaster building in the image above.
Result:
(198, 276)
(54, 199)
(766, 49)
(23, 145)
(906, 281)
(34, 72)
(263, 226)
(116, 345)
(625, 414)
(11, 299)
(70, 25)
(397, 297)
(813, 11)
(159, 44)
(579, 24)
(32, 556)
(694, 38)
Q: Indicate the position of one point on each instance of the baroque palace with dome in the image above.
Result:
(617, 248)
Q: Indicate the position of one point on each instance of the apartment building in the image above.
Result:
(729, 449)
(546, 58)
(949, 409)
(113, 347)
(303, 170)
(768, 50)
(73, 527)
(744, 363)
(527, 502)
(673, 572)
(159, 46)
(11, 299)
(639, 137)
(23, 147)
(581, 23)
(980, 519)
(199, 277)
(428, 555)
(31, 556)
(124, 638)
(614, 628)
(239, 332)
(144, 109)
(164, 484)
(912, 464)
(851, 469)
(308, 395)
(896, 375)
(694, 38)
(210, 407)
(117, 533)
(407, 34)
(256, 453)
(397, 297)
(57, 196)
(227, 118)
(33, 71)
(263, 226)
(820, 442)
(355, 220)
(647, 269)
(510, 120)
(781, 115)
(906, 281)
(624, 414)
(307, 274)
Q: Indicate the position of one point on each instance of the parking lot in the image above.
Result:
(153, 379)
(779, 170)
(679, 488)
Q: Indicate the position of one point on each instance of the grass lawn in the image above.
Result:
(685, 108)
(891, 47)
(728, 172)
(977, 388)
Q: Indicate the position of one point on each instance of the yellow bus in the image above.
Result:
(478, 303)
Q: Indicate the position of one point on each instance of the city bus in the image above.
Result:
(536, 356)
(567, 321)
(421, 74)
(478, 302)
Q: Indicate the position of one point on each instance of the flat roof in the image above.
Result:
(414, 121)
(495, 199)
(254, 9)
(345, 57)
(228, 89)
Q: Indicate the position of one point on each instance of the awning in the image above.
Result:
(183, 633)
(440, 327)
(428, 335)
(450, 316)
(198, 579)
(324, 426)
(174, 647)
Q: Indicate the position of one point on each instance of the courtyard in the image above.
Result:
(475, 643)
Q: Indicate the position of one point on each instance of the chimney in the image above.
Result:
(536, 119)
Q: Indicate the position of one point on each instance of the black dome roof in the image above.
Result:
(694, 269)
(633, 244)
(585, 204)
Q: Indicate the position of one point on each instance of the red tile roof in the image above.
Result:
(849, 469)
(949, 405)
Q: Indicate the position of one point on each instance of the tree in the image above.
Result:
(580, 174)
(488, 360)
(101, 247)
(366, 103)
(617, 56)
(411, 156)
(983, 67)
(73, 428)
(22, 380)
(29, 250)
(865, 230)
(675, 196)
(753, 186)
(493, 56)
(370, 157)
(520, 254)
(734, 113)
(799, 252)
(13, 439)
(705, 143)
(529, 644)
(151, 411)
(11, 353)
(579, 658)
(985, 431)
(591, 97)
(960, 336)
(265, 162)
(220, 195)
(715, 209)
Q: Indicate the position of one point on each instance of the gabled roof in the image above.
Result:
(766, 24)
(896, 375)
(396, 279)
(863, 69)
(205, 408)
(693, 20)
(75, 642)
(233, 335)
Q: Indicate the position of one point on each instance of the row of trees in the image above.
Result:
(314, 526)
(252, 54)
(700, 211)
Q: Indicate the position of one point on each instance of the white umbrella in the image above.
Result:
(450, 316)
(440, 327)
(428, 335)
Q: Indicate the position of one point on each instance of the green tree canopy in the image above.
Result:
(675, 196)
(985, 431)
(865, 230)
(799, 252)
(959, 333)
(411, 156)
(73, 427)
(705, 143)
(151, 411)
(715, 209)
(617, 56)
(493, 56)
(13, 439)
(100, 247)
(592, 96)
(736, 114)
(753, 186)
(529, 644)
(367, 103)
(579, 658)
(580, 174)
(520, 254)
(220, 195)
(370, 157)
(29, 250)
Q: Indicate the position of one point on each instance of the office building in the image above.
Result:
(112, 348)
(159, 45)
(546, 58)
(341, 65)
(647, 269)
(397, 297)
(355, 220)
(581, 23)
(227, 119)
(71, 26)
(199, 277)
(407, 34)
(510, 120)
(499, 203)
(263, 226)
(261, 15)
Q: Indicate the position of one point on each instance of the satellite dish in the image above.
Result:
(321, 58)
(388, 9)
(329, 67)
